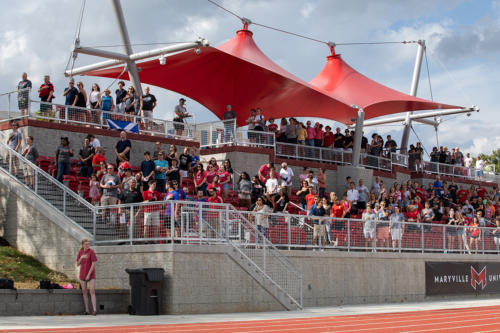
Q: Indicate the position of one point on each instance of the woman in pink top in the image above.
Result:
(311, 134)
(318, 138)
(224, 179)
(86, 260)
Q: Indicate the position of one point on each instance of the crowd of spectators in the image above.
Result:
(290, 131)
(86, 108)
(164, 174)
(462, 210)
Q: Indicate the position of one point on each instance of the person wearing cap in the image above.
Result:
(146, 107)
(180, 113)
(229, 124)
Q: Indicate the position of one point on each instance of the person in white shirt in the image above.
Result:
(468, 164)
(94, 142)
(271, 186)
(479, 168)
(353, 196)
(363, 195)
(286, 175)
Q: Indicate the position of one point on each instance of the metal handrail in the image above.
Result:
(51, 179)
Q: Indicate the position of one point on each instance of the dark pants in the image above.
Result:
(160, 185)
(62, 169)
(86, 170)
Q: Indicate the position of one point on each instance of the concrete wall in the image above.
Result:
(204, 279)
(38, 229)
(47, 139)
(198, 279)
(59, 302)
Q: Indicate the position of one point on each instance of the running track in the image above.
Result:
(473, 319)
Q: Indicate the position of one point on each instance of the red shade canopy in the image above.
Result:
(238, 73)
(345, 84)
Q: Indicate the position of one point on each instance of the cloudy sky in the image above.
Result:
(463, 47)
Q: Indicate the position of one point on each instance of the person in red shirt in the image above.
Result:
(213, 217)
(318, 137)
(272, 127)
(481, 192)
(216, 186)
(310, 198)
(46, 94)
(100, 156)
(338, 225)
(200, 179)
(151, 211)
(86, 260)
(224, 180)
(462, 195)
(264, 172)
(328, 137)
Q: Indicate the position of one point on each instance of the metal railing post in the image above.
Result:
(131, 225)
(444, 238)
(101, 118)
(422, 237)
(29, 102)
(172, 221)
(94, 223)
(36, 181)
(66, 111)
(482, 233)
(348, 235)
(64, 202)
(375, 240)
(264, 253)
(200, 221)
(8, 111)
(10, 157)
(227, 223)
(289, 240)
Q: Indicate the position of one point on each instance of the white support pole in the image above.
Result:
(358, 135)
(414, 117)
(122, 27)
(134, 57)
(413, 91)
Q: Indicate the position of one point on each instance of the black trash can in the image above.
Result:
(145, 290)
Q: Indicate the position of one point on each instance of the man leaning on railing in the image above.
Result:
(23, 89)
(229, 125)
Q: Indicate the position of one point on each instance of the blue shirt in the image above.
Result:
(70, 96)
(161, 164)
(106, 103)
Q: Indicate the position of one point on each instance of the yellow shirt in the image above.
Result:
(301, 134)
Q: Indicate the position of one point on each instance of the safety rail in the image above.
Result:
(15, 103)
(68, 114)
(294, 151)
(399, 159)
(217, 134)
(48, 188)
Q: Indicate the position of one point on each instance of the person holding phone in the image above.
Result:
(86, 260)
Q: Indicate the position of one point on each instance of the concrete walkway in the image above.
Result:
(9, 323)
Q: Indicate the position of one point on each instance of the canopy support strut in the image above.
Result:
(413, 92)
(358, 135)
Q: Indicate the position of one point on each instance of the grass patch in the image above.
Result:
(26, 271)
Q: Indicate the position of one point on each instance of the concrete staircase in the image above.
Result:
(59, 196)
(266, 266)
